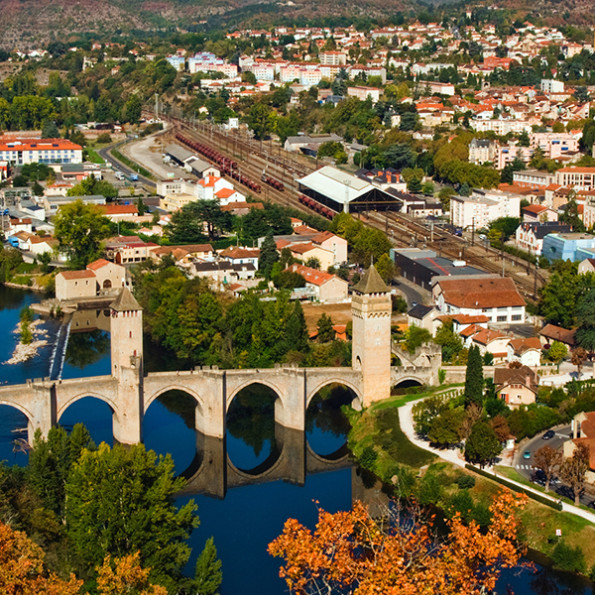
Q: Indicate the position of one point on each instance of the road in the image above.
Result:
(105, 154)
(525, 466)
(412, 293)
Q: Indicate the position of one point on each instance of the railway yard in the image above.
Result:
(270, 174)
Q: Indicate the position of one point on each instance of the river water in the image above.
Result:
(249, 516)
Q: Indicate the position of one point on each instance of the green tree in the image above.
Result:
(445, 428)
(121, 500)
(92, 186)
(268, 256)
(563, 291)
(482, 446)
(557, 352)
(296, 331)
(261, 120)
(585, 317)
(474, 378)
(386, 268)
(451, 342)
(132, 109)
(49, 129)
(208, 575)
(326, 332)
(415, 337)
(80, 228)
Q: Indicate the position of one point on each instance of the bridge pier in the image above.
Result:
(42, 409)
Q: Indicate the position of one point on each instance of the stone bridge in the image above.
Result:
(43, 401)
(129, 392)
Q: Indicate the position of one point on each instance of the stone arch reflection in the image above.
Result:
(171, 424)
(253, 439)
(327, 426)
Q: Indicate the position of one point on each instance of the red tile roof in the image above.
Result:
(312, 276)
(78, 275)
(43, 144)
(97, 264)
(491, 292)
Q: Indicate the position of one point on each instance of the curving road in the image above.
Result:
(105, 153)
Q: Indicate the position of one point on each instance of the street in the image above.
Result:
(525, 466)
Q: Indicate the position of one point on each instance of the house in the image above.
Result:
(323, 287)
(527, 351)
(237, 255)
(108, 275)
(529, 236)
(491, 341)
(584, 431)
(550, 333)
(586, 266)
(516, 386)
(122, 213)
(489, 295)
(538, 214)
(75, 284)
(128, 249)
(40, 245)
(462, 321)
(423, 317)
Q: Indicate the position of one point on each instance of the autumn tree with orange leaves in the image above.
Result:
(22, 572)
(353, 554)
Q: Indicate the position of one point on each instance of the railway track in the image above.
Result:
(257, 163)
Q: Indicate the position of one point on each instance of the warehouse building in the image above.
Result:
(338, 191)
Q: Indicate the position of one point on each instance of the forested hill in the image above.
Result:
(34, 23)
(30, 23)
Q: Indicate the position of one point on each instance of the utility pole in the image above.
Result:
(473, 231)
(156, 106)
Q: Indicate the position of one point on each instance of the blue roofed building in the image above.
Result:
(568, 246)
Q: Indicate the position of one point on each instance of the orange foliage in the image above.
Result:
(353, 553)
(22, 570)
(126, 576)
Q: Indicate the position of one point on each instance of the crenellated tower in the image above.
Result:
(371, 307)
(127, 363)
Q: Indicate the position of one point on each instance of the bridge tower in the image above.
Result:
(127, 362)
(371, 307)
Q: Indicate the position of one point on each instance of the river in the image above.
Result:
(249, 516)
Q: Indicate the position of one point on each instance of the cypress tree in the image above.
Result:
(268, 256)
(474, 378)
(296, 331)
(208, 575)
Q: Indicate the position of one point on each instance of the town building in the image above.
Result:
(321, 286)
(579, 178)
(529, 236)
(489, 295)
(45, 150)
(566, 246)
(516, 386)
(479, 210)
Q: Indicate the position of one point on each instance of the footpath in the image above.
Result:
(453, 455)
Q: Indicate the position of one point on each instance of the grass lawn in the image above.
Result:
(93, 156)
(540, 522)
(400, 400)
(378, 429)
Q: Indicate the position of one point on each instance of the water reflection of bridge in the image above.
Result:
(213, 473)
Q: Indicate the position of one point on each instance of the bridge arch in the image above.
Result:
(253, 381)
(402, 379)
(184, 389)
(30, 417)
(65, 404)
(341, 382)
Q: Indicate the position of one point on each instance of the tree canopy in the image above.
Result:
(80, 228)
(329, 559)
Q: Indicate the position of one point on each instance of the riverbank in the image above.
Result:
(383, 441)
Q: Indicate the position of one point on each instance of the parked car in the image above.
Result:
(548, 435)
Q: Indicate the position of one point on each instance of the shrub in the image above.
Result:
(465, 482)
(569, 558)
(368, 458)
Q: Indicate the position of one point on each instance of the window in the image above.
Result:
(517, 317)
(501, 318)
